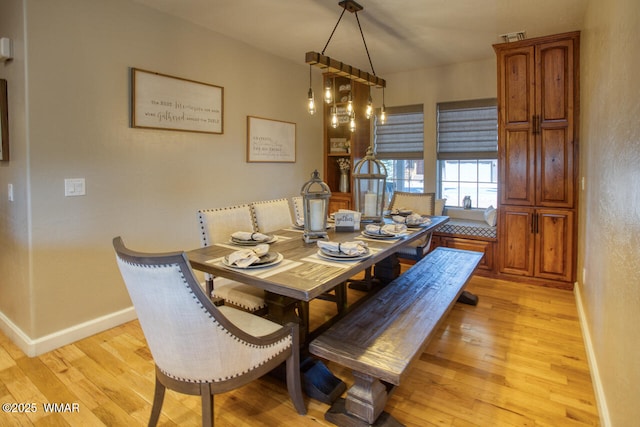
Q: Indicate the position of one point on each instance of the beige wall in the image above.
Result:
(69, 104)
(69, 116)
(609, 244)
(469, 80)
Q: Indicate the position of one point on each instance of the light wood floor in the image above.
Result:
(516, 359)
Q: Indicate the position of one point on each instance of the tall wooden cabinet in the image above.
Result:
(340, 142)
(538, 98)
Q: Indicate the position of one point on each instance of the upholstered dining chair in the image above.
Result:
(216, 226)
(271, 215)
(420, 203)
(298, 209)
(198, 348)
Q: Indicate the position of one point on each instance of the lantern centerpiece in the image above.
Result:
(370, 178)
(315, 196)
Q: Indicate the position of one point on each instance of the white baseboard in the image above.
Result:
(36, 347)
(601, 401)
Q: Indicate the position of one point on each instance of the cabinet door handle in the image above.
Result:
(536, 124)
(533, 224)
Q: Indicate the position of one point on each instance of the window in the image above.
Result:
(399, 144)
(467, 140)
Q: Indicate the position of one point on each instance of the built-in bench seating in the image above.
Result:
(469, 229)
(381, 338)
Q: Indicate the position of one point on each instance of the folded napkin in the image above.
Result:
(245, 257)
(347, 248)
(386, 230)
(249, 236)
(413, 219)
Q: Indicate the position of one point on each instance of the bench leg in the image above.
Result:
(366, 398)
(467, 297)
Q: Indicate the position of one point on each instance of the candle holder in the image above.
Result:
(315, 198)
(370, 178)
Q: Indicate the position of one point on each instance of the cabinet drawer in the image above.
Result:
(487, 248)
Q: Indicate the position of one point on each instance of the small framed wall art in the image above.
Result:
(270, 140)
(4, 121)
(160, 101)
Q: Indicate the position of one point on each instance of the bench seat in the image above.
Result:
(381, 338)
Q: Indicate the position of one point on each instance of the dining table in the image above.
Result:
(301, 272)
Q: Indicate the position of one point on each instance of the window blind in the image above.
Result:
(467, 129)
(402, 134)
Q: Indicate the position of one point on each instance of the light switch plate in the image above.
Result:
(74, 187)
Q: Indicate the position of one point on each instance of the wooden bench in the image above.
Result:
(381, 338)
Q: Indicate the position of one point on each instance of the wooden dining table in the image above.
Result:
(303, 274)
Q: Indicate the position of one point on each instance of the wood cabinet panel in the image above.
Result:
(516, 254)
(537, 156)
(485, 247)
(517, 167)
(554, 241)
(339, 201)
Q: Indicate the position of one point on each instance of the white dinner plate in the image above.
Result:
(334, 254)
(268, 260)
(381, 236)
(324, 255)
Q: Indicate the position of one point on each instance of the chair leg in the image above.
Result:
(158, 399)
(294, 382)
(207, 405)
(303, 313)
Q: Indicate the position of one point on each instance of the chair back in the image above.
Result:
(190, 339)
(272, 215)
(217, 225)
(421, 203)
(298, 209)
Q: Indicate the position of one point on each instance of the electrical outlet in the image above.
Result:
(10, 192)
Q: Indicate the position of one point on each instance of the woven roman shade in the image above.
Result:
(467, 129)
(402, 134)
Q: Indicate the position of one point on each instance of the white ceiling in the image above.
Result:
(400, 34)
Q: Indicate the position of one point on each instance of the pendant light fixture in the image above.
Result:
(334, 110)
(311, 102)
(330, 65)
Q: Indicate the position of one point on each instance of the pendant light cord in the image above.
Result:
(361, 33)
(334, 30)
(365, 44)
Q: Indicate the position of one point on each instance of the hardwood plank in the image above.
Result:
(517, 358)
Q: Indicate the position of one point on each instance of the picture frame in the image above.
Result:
(270, 140)
(4, 121)
(161, 101)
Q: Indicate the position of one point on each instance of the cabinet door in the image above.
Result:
(554, 125)
(554, 244)
(516, 240)
(516, 93)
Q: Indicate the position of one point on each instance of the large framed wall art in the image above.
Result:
(160, 101)
(270, 140)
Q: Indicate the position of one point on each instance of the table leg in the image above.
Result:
(318, 381)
